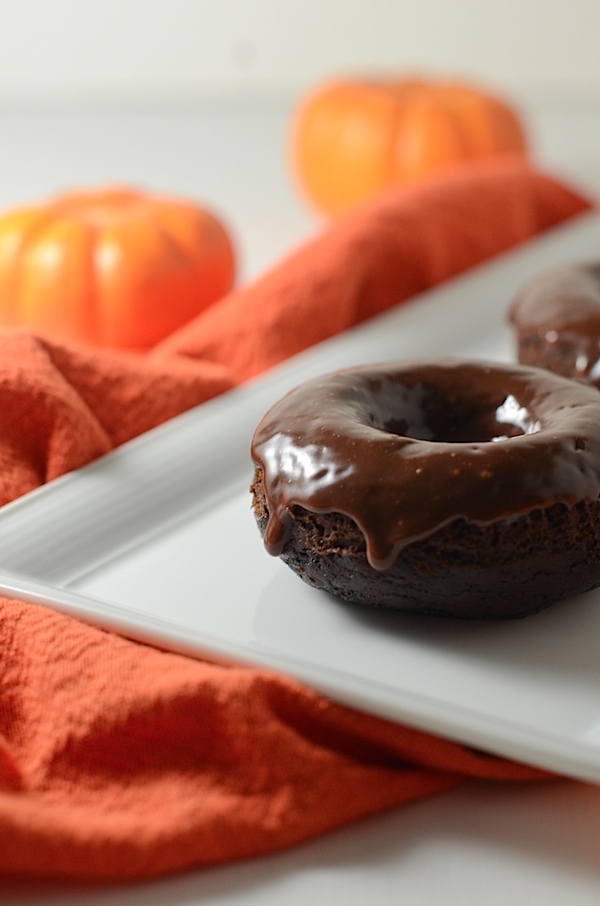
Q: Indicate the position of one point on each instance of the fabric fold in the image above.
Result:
(137, 762)
(401, 244)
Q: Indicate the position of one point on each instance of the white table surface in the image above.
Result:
(479, 844)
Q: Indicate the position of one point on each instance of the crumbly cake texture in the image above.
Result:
(511, 568)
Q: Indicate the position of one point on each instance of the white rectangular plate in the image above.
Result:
(157, 541)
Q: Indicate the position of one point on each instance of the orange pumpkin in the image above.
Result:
(114, 267)
(352, 139)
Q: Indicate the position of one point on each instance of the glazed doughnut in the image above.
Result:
(463, 489)
(557, 320)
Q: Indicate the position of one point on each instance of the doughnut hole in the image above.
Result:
(434, 414)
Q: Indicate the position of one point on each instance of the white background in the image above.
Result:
(177, 50)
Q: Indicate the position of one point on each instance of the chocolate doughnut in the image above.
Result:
(464, 489)
(557, 320)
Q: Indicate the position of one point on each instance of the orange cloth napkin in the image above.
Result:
(120, 761)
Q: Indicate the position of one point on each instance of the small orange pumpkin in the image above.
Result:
(352, 139)
(113, 267)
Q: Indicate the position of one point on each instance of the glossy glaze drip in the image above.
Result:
(563, 306)
(406, 449)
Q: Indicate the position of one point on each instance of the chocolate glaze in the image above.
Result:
(405, 449)
(560, 310)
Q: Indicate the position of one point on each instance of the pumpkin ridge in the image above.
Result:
(404, 94)
(389, 168)
(166, 233)
(32, 236)
(456, 100)
(169, 237)
(454, 112)
(95, 315)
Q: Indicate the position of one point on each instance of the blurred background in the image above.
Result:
(195, 96)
